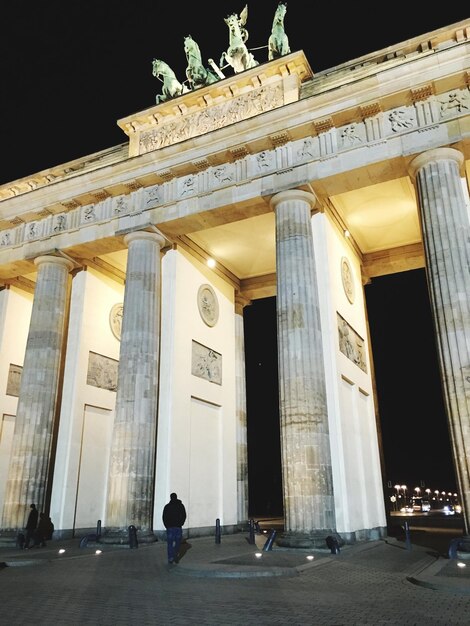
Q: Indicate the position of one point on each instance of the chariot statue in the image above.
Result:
(171, 85)
(238, 56)
(196, 73)
(278, 43)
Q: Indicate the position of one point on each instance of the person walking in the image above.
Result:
(31, 525)
(174, 516)
(42, 531)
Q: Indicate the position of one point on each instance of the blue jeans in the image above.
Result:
(173, 542)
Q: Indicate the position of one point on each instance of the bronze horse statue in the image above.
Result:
(196, 73)
(278, 43)
(238, 56)
(171, 85)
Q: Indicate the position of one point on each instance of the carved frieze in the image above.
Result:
(102, 372)
(14, 380)
(350, 343)
(206, 363)
(209, 119)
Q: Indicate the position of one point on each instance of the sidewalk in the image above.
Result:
(234, 557)
(226, 584)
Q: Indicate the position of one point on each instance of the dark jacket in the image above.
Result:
(32, 520)
(174, 514)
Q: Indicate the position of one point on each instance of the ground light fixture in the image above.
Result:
(258, 555)
(460, 564)
(310, 557)
(98, 551)
(61, 551)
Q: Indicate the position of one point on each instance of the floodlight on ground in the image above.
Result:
(310, 557)
(98, 551)
(460, 564)
(61, 551)
(258, 555)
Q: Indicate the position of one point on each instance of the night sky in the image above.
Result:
(71, 70)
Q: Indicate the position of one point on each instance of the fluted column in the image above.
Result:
(132, 461)
(240, 389)
(446, 236)
(32, 439)
(306, 459)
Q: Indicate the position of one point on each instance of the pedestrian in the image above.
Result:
(50, 528)
(31, 525)
(174, 516)
(42, 531)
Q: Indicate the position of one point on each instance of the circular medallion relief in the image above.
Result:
(347, 278)
(115, 319)
(208, 305)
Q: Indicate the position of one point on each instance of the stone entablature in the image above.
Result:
(234, 99)
(327, 144)
(426, 46)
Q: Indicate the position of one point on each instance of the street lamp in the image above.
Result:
(404, 488)
(397, 487)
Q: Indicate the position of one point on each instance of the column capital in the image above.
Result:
(240, 303)
(144, 234)
(294, 194)
(55, 260)
(439, 154)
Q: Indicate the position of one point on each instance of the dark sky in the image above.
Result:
(71, 70)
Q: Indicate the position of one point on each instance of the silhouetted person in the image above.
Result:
(31, 525)
(42, 531)
(50, 528)
(174, 516)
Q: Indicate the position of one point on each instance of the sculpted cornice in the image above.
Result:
(234, 190)
(357, 115)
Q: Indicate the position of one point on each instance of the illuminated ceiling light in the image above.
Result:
(210, 262)
(347, 233)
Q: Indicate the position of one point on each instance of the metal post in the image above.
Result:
(133, 543)
(251, 539)
(217, 530)
(98, 530)
(407, 536)
(269, 543)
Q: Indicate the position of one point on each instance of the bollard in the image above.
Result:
(133, 543)
(251, 539)
(453, 547)
(407, 536)
(217, 530)
(269, 543)
(98, 530)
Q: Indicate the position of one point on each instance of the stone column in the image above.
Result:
(32, 439)
(132, 461)
(306, 459)
(446, 237)
(240, 388)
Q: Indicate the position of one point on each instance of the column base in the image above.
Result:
(120, 536)
(9, 537)
(314, 540)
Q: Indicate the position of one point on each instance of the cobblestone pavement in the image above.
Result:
(226, 584)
